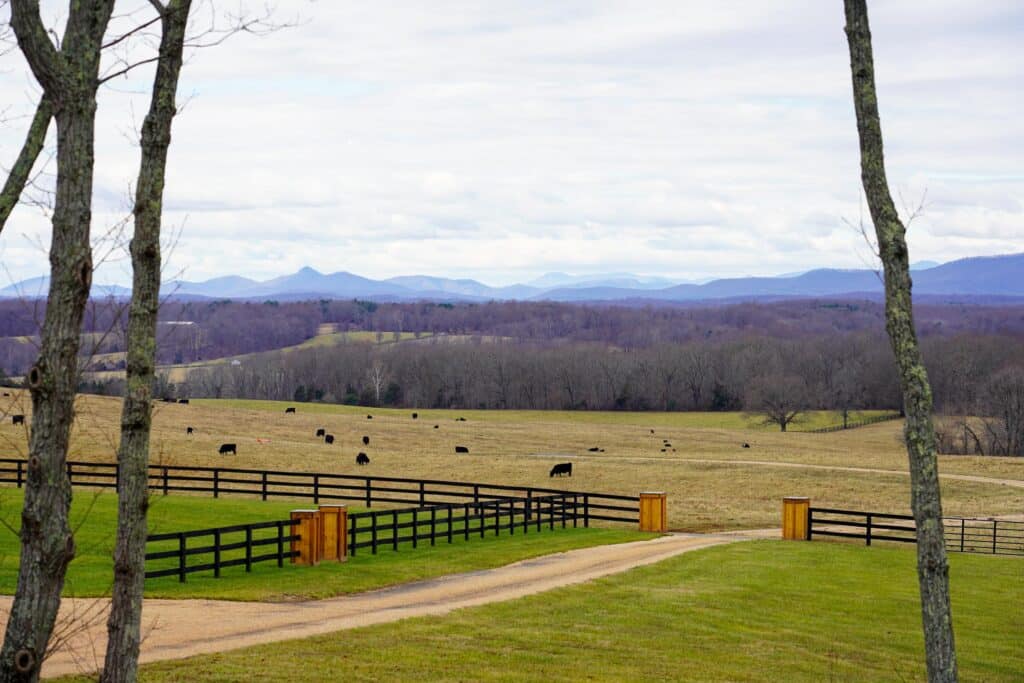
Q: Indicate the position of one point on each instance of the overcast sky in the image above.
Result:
(503, 140)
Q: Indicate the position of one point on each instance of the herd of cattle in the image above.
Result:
(560, 469)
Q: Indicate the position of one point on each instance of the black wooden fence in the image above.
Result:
(323, 487)
(963, 534)
(221, 550)
(852, 424)
(390, 528)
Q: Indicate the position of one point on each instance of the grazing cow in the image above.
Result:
(362, 459)
(460, 419)
(746, 445)
(321, 431)
(366, 441)
(226, 448)
(461, 449)
(668, 445)
(6, 394)
(663, 450)
(183, 401)
(289, 409)
(369, 417)
(188, 430)
(652, 431)
(437, 426)
(328, 438)
(415, 415)
(595, 449)
(561, 468)
(18, 419)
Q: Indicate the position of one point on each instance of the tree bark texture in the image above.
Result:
(69, 79)
(123, 625)
(932, 566)
(30, 150)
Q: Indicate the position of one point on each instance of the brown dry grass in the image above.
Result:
(520, 447)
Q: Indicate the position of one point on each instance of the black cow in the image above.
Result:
(668, 445)
(561, 468)
(461, 449)
(746, 445)
(321, 431)
(437, 426)
(366, 441)
(328, 438)
(183, 401)
(362, 459)
(18, 419)
(595, 449)
(663, 450)
(6, 394)
(289, 409)
(228, 448)
(369, 417)
(460, 419)
(188, 430)
(415, 415)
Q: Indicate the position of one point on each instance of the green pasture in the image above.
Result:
(753, 611)
(94, 516)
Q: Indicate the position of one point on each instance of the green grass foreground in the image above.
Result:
(94, 515)
(756, 611)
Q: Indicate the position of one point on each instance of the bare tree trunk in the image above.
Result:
(123, 624)
(932, 567)
(69, 79)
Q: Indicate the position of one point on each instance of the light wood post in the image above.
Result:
(653, 511)
(335, 532)
(795, 511)
(310, 543)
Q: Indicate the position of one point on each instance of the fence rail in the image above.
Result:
(323, 487)
(391, 528)
(175, 545)
(853, 424)
(963, 534)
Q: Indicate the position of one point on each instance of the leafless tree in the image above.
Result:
(932, 565)
(778, 399)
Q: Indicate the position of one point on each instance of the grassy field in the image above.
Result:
(93, 517)
(757, 611)
(711, 481)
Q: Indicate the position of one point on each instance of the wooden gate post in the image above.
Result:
(310, 543)
(653, 511)
(335, 532)
(795, 511)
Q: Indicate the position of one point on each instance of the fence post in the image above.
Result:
(465, 526)
(216, 553)
(653, 511)
(216, 483)
(165, 481)
(181, 558)
(316, 489)
(394, 529)
(449, 523)
(352, 537)
(308, 543)
(867, 534)
(586, 510)
(994, 536)
(248, 548)
(962, 525)
(476, 493)
(575, 510)
(529, 506)
(280, 542)
(423, 499)
(373, 532)
(334, 525)
(433, 526)
(21, 476)
(369, 497)
(264, 480)
(795, 515)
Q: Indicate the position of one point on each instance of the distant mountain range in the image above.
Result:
(985, 276)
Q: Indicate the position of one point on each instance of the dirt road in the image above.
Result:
(181, 628)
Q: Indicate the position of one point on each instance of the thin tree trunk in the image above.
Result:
(69, 80)
(932, 567)
(18, 176)
(123, 625)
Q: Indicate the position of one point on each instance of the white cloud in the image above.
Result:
(502, 140)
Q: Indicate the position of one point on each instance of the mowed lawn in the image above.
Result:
(753, 611)
(712, 481)
(94, 515)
